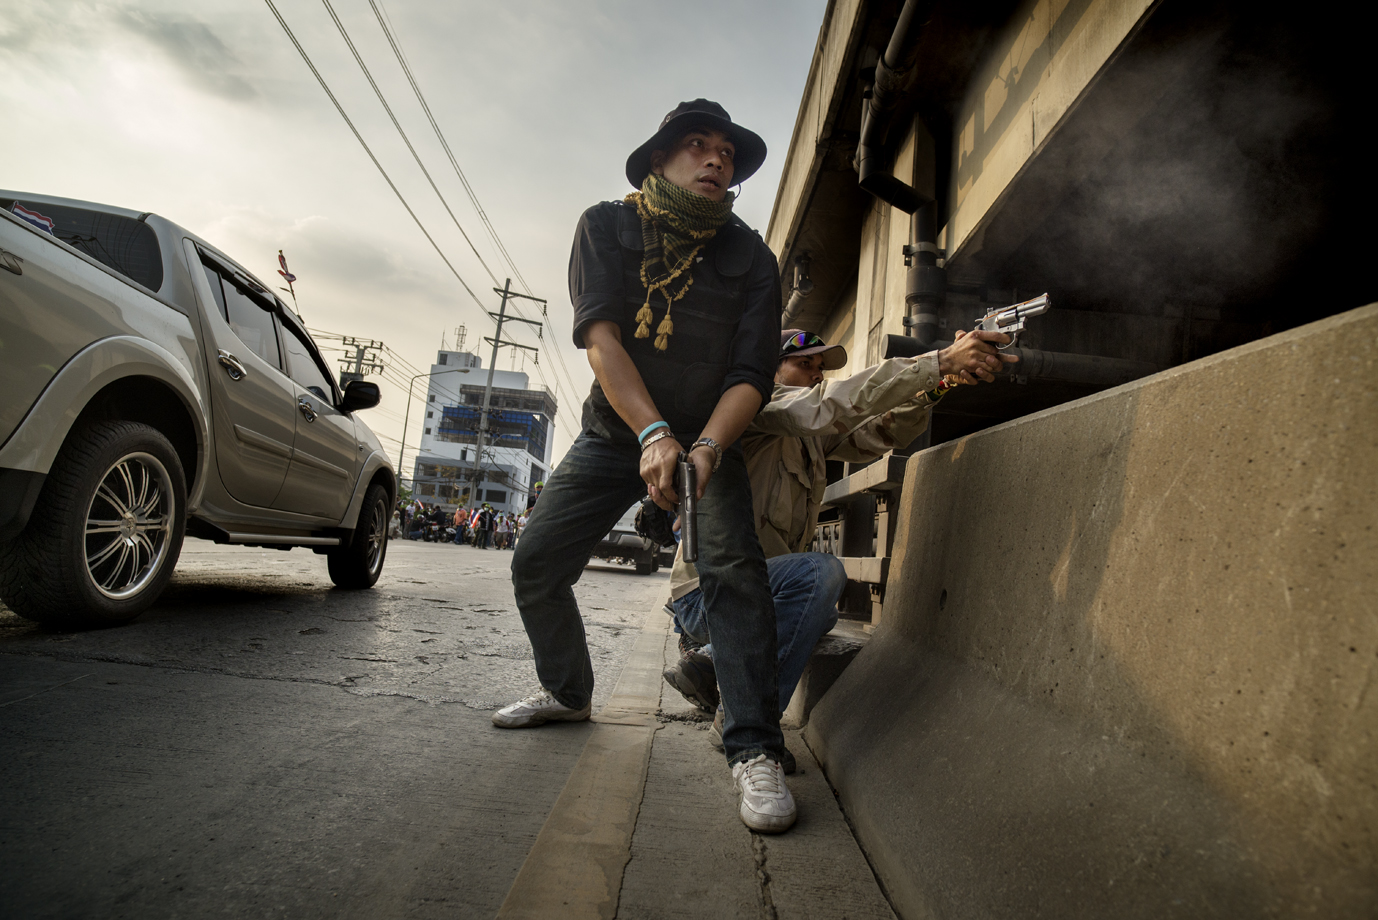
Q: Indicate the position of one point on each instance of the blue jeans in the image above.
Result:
(805, 588)
(594, 485)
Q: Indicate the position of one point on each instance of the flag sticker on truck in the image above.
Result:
(38, 220)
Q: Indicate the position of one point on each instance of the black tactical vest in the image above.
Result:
(685, 381)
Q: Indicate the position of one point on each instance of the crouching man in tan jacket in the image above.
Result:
(809, 421)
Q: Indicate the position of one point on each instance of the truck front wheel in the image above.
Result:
(358, 563)
(105, 533)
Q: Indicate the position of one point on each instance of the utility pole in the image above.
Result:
(497, 342)
(362, 360)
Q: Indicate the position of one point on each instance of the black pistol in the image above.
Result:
(687, 485)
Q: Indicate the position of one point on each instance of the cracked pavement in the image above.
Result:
(440, 626)
(262, 744)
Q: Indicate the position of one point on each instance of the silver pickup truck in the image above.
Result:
(151, 388)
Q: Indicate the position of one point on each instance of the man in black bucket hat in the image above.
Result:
(677, 303)
(748, 155)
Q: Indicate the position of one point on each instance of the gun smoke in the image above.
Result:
(1218, 191)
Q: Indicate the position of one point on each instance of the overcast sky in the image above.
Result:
(205, 113)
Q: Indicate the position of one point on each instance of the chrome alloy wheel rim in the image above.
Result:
(128, 525)
(377, 536)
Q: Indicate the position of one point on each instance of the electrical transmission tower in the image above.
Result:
(476, 471)
(364, 361)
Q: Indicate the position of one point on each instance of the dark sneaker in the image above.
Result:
(693, 676)
(686, 644)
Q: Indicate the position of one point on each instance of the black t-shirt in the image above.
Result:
(727, 326)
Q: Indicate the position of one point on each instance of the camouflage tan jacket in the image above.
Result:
(787, 447)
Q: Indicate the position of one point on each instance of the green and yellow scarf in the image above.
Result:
(675, 224)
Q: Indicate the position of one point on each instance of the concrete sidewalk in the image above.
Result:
(647, 824)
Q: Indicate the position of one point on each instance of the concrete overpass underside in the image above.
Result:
(1181, 177)
(1125, 662)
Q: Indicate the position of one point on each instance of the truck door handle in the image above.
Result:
(305, 406)
(232, 365)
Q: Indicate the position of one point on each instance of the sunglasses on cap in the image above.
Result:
(801, 340)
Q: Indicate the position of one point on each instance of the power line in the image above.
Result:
(359, 137)
(406, 140)
(560, 363)
(402, 381)
(473, 199)
(570, 397)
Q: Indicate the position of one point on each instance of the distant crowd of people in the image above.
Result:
(482, 528)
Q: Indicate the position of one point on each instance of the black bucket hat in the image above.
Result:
(700, 113)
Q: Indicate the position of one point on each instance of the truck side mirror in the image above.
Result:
(361, 394)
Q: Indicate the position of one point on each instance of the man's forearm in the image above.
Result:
(734, 411)
(618, 376)
(880, 434)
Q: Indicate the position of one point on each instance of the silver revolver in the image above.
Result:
(1010, 320)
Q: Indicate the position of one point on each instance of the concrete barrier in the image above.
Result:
(1129, 656)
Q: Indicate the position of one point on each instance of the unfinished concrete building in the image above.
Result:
(1126, 632)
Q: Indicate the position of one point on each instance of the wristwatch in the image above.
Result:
(716, 447)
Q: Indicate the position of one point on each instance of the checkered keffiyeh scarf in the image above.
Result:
(675, 224)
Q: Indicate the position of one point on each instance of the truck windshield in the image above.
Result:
(122, 244)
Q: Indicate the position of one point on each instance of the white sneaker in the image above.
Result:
(537, 709)
(767, 805)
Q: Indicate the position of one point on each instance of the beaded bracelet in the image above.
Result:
(950, 382)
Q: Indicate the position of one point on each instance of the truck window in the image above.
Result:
(213, 277)
(252, 322)
(122, 244)
(303, 367)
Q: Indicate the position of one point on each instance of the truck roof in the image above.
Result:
(154, 220)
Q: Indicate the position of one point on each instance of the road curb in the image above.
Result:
(574, 869)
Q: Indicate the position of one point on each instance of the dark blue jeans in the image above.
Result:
(806, 588)
(594, 485)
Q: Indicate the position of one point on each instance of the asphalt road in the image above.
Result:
(260, 744)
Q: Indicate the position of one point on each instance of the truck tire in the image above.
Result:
(106, 531)
(358, 563)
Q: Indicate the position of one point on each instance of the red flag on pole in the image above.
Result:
(282, 260)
